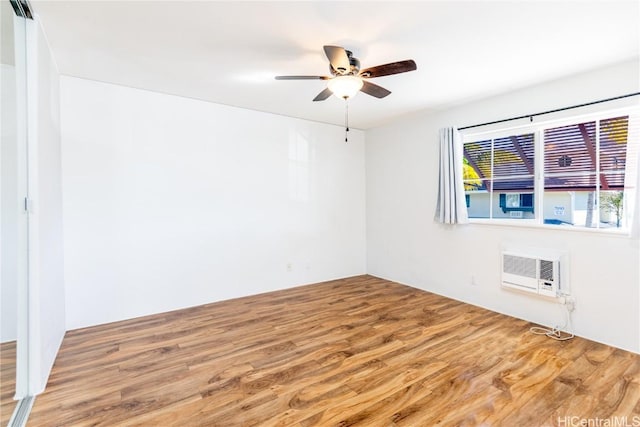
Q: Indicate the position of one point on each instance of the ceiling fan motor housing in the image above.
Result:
(354, 66)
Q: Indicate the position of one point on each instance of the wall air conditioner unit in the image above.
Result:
(537, 275)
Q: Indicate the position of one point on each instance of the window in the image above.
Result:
(495, 172)
(578, 173)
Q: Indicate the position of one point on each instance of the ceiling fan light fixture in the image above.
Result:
(345, 86)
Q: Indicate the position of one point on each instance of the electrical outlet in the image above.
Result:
(473, 281)
(571, 304)
(289, 267)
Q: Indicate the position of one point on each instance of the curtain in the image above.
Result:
(451, 207)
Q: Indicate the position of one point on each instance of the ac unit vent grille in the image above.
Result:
(519, 266)
(546, 270)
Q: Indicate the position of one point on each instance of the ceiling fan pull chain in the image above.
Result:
(346, 119)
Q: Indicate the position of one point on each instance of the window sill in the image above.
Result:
(520, 223)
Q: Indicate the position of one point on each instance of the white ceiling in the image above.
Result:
(229, 52)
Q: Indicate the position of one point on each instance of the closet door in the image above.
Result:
(13, 215)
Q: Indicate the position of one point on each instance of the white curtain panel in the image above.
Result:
(451, 208)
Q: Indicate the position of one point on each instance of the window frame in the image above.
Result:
(538, 129)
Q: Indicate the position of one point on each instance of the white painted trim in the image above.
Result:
(530, 223)
(34, 386)
(22, 341)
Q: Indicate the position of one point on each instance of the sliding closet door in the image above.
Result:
(13, 217)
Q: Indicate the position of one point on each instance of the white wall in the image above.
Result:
(404, 243)
(172, 202)
(46, 279)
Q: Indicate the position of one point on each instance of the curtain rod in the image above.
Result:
(22, 8)
(531, 116)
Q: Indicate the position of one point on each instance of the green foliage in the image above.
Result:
(613, 202)
(470, 176)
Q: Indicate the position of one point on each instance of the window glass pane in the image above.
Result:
(612, 209)
(477, 160)
(479, 204)
(477, 185)
(570, 200)
(513, 198)
(517, 185)
(576, 207)
(569, 149)
(510, 160)
(476, 174)
(613, 144)
(558, 208)
(513, 155)
(585, 213)
(612, 181)
(511, 206)
(570, 183)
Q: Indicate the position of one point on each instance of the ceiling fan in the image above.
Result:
(347, 79)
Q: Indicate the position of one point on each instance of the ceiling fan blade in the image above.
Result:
(323, 95)
(389, 69)
(374, 90)
(338, 58)
(302, 78)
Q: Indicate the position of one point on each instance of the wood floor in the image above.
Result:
(358, 351)
(7, 381)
